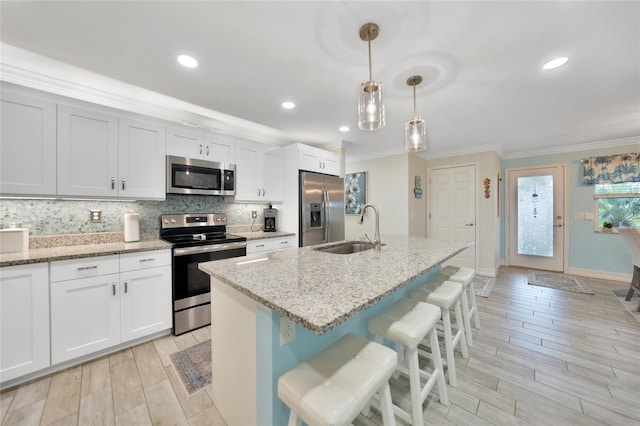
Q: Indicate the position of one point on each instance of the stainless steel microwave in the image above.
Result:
(202, 177)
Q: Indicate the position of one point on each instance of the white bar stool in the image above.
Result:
(465, 277)
(447, 296)
(333, 387)
(407, 323)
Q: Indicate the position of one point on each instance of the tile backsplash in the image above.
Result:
(53, 217)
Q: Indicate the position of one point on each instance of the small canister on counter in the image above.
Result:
(131, 227)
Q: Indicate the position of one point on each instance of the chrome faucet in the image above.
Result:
(377, 244)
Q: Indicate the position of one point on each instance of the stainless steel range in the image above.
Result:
(196, 238)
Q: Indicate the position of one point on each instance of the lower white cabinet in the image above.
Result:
(269, 244)
(99, 305)
(24, 320)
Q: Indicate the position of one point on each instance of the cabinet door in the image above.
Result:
(87, 153)
(331, 164)
(247, 173)
(220, 148)
(272, 175)
(185, 143)
(141, 165)
(27, 146)
(85, 316)
(24, 320)
(146, 302)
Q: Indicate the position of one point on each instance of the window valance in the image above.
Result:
(612, 169)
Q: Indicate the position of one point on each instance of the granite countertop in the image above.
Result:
(322, 290)
(50, 254)
(260, 235)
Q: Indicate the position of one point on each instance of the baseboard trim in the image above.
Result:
(488, 272)
(604, 275)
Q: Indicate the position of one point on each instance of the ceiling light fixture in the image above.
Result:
(370, 105)
(415, 130)
(555, 63)
(344, 128)
(288, 105)
(187, 61)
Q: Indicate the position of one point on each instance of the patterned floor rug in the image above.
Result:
(193, 366)
(632, 305)
(558, 281)
(483, 285)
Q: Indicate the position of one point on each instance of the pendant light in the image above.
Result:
(370, 105)
(415, 130)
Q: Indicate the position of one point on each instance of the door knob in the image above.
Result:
(558, 226)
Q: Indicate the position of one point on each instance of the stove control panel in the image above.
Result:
(188, 220)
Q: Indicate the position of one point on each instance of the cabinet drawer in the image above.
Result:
(73, 269)
(258, 246)
(281, 243)
(144, 260)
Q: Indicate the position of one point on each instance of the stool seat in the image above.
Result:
(443, 296)
(406, 322)
(464, 276)
(334, 386)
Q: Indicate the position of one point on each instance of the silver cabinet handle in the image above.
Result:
(259, 245)
(200, 149)
(113, 183)
(468, 224)
(86, 268)
(207, 150)
(284, 242)
(258, 192)
(151, 259)
(113, 286)
(126, 286)
(123, 184)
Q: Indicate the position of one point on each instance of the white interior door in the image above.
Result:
(536, 217)
(452, 204)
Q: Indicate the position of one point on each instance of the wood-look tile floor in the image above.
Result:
(542, 356)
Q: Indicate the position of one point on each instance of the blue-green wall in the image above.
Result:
(587, 249)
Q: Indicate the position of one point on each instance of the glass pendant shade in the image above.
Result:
(370, 106)
(415, 134)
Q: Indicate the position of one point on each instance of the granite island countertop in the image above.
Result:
(261, 235)
(321, 290)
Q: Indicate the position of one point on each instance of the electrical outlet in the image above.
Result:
(254, 214)
(95, 216)
(287, 331)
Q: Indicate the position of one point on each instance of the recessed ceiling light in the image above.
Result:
(288, 105)
(187, 61)
(344, 128)
(555, 63)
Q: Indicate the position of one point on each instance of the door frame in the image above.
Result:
(476, 245)
(565, 210)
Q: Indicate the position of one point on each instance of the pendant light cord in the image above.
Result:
(370, 73)
(414, 100)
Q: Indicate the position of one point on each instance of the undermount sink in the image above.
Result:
(347, 247)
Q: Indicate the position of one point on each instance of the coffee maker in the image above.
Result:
(270, 219)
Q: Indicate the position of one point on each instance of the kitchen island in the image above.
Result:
(257, 300)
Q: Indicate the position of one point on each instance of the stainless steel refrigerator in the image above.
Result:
(321, 208)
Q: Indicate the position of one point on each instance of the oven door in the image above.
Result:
(191, 285)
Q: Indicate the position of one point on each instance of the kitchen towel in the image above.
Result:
(131, 227)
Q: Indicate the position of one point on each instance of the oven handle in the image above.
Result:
(208, 249)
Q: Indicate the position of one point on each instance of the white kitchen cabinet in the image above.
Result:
(145, 284)
(318, 160)
(270, 244)
(141, 160)
(85, 306)
(258, 173)
(100, 302)
(87, 153)
(194, 143)
(24, 320)
(27, 145)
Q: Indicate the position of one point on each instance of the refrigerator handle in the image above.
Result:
(327, 219)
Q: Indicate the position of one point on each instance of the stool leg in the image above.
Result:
(448, 346)
(438, 367)
(386, 406)
(465, 317)
(459, 322)
(294, 420)
(414, 386)
(474, 306)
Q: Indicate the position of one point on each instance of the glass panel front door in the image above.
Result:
(535, 215)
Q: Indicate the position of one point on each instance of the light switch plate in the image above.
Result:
(287, 331)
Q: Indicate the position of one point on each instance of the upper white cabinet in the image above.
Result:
(313, 159)
(193, 143)
(100, 155)
(259, 172)
(87, 153)
(27, 145)
(141, 164)
(24, 320)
